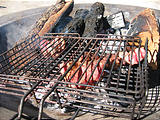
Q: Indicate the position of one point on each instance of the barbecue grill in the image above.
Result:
(121, 89)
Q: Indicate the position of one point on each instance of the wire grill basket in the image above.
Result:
(91, 74)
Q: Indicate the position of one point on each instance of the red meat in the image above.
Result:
(133, 57)
(89, 78)
(84, 77)
(76, 76)
(87, 73)
(52, 48)
(98, 70)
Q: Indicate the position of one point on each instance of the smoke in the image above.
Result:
(15, 31)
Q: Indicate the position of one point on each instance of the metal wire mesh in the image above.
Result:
(84, 73)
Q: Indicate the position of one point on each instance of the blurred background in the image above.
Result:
(11, 6)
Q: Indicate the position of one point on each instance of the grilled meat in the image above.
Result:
(132, 58)
(52, 48)
(87, 73)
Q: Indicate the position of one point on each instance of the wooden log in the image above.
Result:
(53, 19)
(93, 20)
(76, 25)
(145, 26)
(50, 18)
(88, 23)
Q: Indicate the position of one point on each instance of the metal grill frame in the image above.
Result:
(17, 71)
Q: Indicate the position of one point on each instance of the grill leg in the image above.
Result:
(20, 110)
(75, 114)
(43, 99)
(58, 99)
(132, 115)
(34, 96)
(14, 117)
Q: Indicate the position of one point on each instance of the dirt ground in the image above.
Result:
(9, 106)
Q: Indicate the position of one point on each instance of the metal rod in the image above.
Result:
(34, 86)
(114, 62)
(20, 110)
(75, 114)
(33, 60)
(56, 84)
(82, 64)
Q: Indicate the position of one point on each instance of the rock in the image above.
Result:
(116, 20)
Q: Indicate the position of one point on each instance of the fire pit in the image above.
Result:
(119, 90)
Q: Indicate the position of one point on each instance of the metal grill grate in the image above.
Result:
(83, 73)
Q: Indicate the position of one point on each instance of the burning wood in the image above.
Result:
(50, 18)
(88, 23)
(94, 21)
(55, 17)
(77, 24)
(145, 26)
